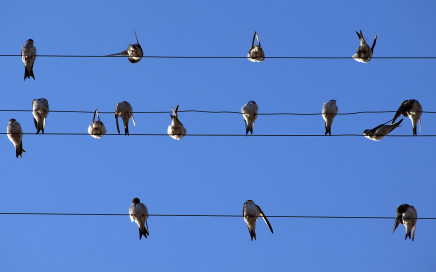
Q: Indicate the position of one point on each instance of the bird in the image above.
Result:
(40, 112)
(176, 130)
(413, 109)
(406, 215)
(96, 129)
(28, 55)
(249, 112)
(379, 132)
(251, 212)
(256, 54)
(15, 135)
(329, 111)
(134, 51)
(138, 213)
(125, 111)
(364, 53)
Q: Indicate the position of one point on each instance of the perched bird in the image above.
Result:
(138, 213)
(125, 111)
(250, 212)
(329, 111)
(96, 129)
(407, 216)
(413, 109)
(28, 55)
(176, 130)
(364, 53)
(134, 52)
(249, 112)
(15, 135)
(379, 132)
(40, 112)
(256, 54)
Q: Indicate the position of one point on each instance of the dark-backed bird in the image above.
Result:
(364, 52)
(40, 112)
(407, 215)
(379, 132)
(138, 213)
(125, 111)
(251, 212)
(413, 109)
(15, 135)
(176, 130)
(134, 51)
(28, 55)
(249, 112)
(256, 54)
(96, 129)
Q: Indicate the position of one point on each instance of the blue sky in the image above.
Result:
(343, 176)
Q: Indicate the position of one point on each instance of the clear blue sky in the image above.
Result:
(344, 176)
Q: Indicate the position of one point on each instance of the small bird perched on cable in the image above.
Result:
(134, 52)
(329, 111)
(251, 212)
(407, 216)
(176, 130)
(413, 109)
(28, 55)
(125, 111)
(364, 53)
(249, 112)
(15, 135)
(256, 54)
(96, 129)
(138, 213)
(40, 112)
(379, 132)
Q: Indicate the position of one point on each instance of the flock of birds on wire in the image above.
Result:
(406, 214)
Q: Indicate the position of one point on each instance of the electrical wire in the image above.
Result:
(216, 57)
(220, 135)
(212, 112)
(210, 215)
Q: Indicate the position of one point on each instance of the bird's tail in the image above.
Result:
(19, 150)
(143, 231)
(252, 234)
(249, 127)
(328, 129)
(123, 53)
(28, 73)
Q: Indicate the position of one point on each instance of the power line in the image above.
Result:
(210, 215)
(221, 135)
(212, 112)
(217, 57)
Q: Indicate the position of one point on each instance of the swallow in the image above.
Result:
(251, 212)
(249, 112)
(407, 216)
(40, 112)
(96, 129)
(329, 111)
(138, 213)
(379, 132)
(256, 54)
(364, 53)
(125, 111)
(28, 55)
(176, 130)
(134, 52)
(15, 135)
(413, 109)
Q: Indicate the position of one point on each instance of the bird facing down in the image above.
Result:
(125, 111)
(379, 132)
(176, 130)
(249, 112)
(256, 54)
(364, 53)
(251, 212)
(134, 52)
(96, 129)
(407, 216)
(329, 111)
(28, 55)
(138, 213)
(413, 109)
(15, 135)
(40, 112)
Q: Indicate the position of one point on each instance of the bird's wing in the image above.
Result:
(265, 219)
(124, 53)
(118, 127)
(397, 222)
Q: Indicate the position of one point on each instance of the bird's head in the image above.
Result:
(135, 201)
